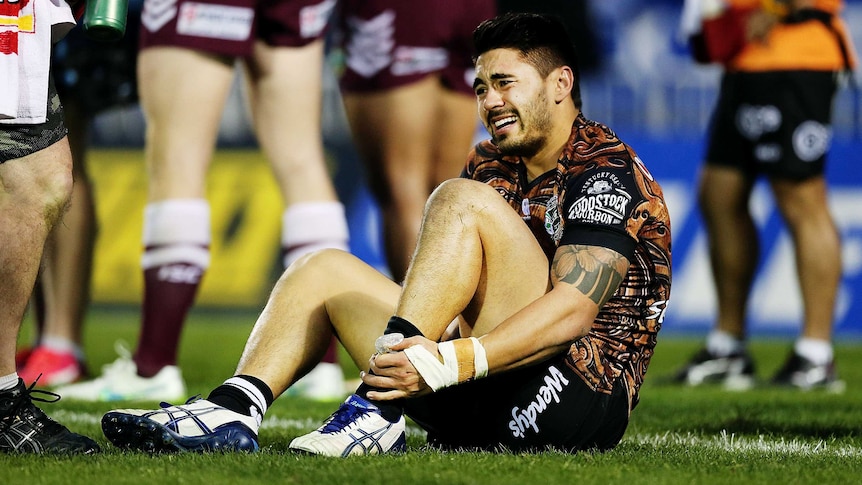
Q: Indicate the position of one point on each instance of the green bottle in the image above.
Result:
(105, 20)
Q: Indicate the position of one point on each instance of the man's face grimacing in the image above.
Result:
(513, 102)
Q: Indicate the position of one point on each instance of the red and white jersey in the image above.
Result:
(28, 30)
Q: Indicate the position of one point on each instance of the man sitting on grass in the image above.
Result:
(528, 315)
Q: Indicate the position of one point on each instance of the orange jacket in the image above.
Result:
(808, 44)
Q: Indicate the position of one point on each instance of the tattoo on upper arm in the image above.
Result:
(595, 271)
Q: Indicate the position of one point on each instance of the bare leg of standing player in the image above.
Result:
(411, 138)
(62, 293)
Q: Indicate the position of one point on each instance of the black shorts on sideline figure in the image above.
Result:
(17, 141)
(775, 123)
(531, 409)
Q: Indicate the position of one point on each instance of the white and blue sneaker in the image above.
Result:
(356, 428)
(120, 382)
(198, 425)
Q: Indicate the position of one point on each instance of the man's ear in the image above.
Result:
(565, 82)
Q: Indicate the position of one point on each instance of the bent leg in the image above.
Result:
(476, 258)
(805, 209)
(733, 243)
(329, 292)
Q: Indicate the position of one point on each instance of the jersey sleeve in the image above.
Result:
(598, 206)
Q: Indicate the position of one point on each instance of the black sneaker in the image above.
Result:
(803, 374)
(24, 428)
(735, 371)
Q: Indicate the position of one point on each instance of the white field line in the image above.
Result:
(724, 441)
(729, 442)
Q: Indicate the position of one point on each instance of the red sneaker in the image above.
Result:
(56, 367)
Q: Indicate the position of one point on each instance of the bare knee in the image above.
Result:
(463, 203)
(461, 193)
(320, 263)
(40, 184)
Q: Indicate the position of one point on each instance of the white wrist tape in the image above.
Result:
(464, 359)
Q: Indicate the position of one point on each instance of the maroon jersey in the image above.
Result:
(392, 43)
(600, 194)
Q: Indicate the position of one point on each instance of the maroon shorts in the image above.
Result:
(390, 43)
(230, 27)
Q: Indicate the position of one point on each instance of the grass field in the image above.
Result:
(677, 435)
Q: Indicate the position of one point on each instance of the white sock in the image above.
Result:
(60, 344)
(8, 382)
(817, 351)
(311, 226)
(176, 230)
(722, 344)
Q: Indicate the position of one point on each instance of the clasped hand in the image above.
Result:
(393, 371)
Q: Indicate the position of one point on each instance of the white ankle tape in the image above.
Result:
(464, 359)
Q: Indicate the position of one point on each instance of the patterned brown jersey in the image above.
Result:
(600, 194)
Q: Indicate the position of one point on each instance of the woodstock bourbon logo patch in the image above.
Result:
(603, 200)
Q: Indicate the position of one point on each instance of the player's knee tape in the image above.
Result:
(464, 359)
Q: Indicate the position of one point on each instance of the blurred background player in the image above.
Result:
(409, 102)
(578, 18)
(185, 71)
(91, 77)
(782, 61)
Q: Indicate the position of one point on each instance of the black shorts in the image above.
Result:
(773, 123)
(531, 409)
(17, 141)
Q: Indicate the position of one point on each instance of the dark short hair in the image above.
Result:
(542, 40)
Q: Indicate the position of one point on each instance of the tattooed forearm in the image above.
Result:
(595, 271)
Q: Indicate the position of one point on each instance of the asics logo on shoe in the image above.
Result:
(178, 415)
(25, 439)
(356, 428)
(198, 425)
(24, 428)
(367, 441)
